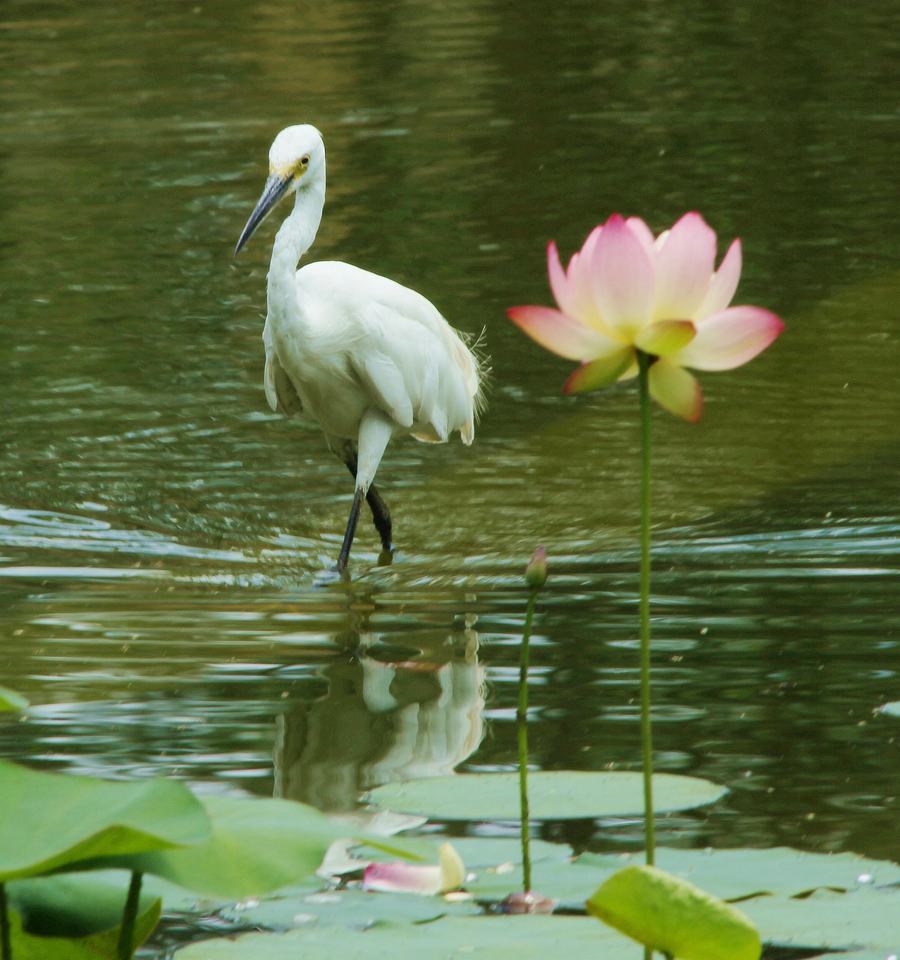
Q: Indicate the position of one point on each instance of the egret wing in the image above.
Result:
(411, 374)
(280, 391)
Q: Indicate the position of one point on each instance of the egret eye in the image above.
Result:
(304, 161)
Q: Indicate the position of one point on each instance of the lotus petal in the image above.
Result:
(730, 338)
(676, 390)
(724, 282)
(559, 282)
(600, 372)
(623, 278)
(562, 334)
(684, 268)
(581, 285)
(400, 877)
(665, 337)
(640, 229)
(428, 880)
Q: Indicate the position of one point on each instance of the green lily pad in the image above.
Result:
(727, 874)
(481, 852)
(557, 879)
(877, 954)
(355, 909)
(50, 822)
(451, 938)
(256, 846)
(12, 702)
(42, 903)
(736, 874)
(553, 795)
(863, 919)
(892, 709)
(668, 914)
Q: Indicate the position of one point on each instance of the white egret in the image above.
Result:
(360, 354)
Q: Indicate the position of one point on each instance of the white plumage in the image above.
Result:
(361, 355)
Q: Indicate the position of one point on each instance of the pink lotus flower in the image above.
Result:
(626, 291)
(425, 879)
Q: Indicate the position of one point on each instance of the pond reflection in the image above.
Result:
(387, 715)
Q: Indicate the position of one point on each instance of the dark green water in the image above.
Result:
(161, 531)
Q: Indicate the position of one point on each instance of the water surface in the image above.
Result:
(161, 532)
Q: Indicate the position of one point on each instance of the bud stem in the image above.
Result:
(522, 731)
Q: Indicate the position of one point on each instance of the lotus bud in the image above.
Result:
(536, 571)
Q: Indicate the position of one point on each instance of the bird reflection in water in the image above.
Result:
(387, 715)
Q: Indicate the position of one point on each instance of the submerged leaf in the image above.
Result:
(669, 914)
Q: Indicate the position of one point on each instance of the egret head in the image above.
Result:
(296, 159)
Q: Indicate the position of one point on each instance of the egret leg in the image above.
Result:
(381, 517)
(344, 555)
(381, 514)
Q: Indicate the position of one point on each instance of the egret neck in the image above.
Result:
(294, 238)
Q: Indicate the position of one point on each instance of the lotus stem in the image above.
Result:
(522, 730)
(646, 725)
(126, 934)
(5, 940)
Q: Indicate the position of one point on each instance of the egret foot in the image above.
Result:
(325, 578)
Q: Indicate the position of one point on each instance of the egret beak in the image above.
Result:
(276, 187)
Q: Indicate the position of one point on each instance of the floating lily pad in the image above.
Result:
(49, 821)
(355, 909)
(12, 702)
(553, 795)
(256, 846)
(451, 938)
(736, 874)
(559, 879)
(727, 874)
(867, 919)
(480, 852)
(99, 945)
(876, 954)
(892, 709)
(666, 913)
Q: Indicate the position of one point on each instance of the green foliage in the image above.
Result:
(72, 904)
(75, 917)
(52, 822)
(669, 914)
(553, 795)
(12, 702)
(255, 846)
